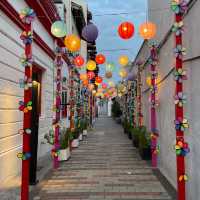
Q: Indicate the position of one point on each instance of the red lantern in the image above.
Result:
(90, 75)
(126, 30)
(100, 59)
(79, 61)
(98, 79)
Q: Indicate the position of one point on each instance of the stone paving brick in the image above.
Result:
(105, 167)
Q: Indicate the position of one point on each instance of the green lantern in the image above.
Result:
(59, 29)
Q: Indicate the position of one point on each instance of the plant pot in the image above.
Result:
(80, 137)
(75, 143)
(85, 132)
(64, 154)
(145, 153)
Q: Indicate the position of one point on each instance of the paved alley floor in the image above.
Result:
(105, 166)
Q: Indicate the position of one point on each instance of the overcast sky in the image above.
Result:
(108, 25)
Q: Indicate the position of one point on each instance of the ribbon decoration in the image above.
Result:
(27, 15)
(179, 7)
(26, 60)
(25, 83)
(27, 37)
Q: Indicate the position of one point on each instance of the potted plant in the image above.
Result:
(125, 125)
(135, 136)
(75, 141)
(145, 145)
(81, 130)
(64, 152)
(84, 128)
(129, 129)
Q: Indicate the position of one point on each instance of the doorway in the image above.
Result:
(36, 108)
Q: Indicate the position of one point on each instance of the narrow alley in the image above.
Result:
(105, 166)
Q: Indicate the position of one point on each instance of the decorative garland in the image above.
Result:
(57, 106)
(134, 87)
(154, 132)
(179, 7)
(27, 16)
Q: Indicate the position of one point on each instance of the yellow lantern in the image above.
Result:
(148, 80)
(147, 30)
(123, 73)
(72, 42)
(91, 65)
(123, 60)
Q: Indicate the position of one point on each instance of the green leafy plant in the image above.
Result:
(116, 110)
(50, 137)
(64, 139)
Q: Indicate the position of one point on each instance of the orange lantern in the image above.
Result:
(147, 30)
(83, 77)
(100, 59)
(72, 42)
(108, 75)
(79, 61)
(98, 79)
(123, 60)
(90, 86)
(91, 65)
(126, 30)
(85, 82)
(90, 75)
(123, 73)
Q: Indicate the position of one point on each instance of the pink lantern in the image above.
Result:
(90, 75)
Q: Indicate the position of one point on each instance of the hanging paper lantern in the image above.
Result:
(91, 65)
(83, 77)
(90, 75)
(123, 73)
(123, 60)
(85, 82)
(98, 79)
(100, 59)
(90, 32)
(108, 74)
(126, 30)
(104, 85)
(79, 61)
(147, 30)
(110, 67)
(72, 42)
(91, 86)
(59, 29)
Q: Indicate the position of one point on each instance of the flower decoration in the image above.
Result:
(24, 156)
(59, 51)
(156, 150)
(25, 131)
(178, 28)
(153, 89)
(154, 74)
(58, 62)
(179, 6)
(25, 83)
(182, 148)
(55, 153)
(180, 99)
(27, 37)
(25, 108)
(154, 103)
(26, 61)
(152, 61)
(27, 15)
(179, 51)
(180, 75)
(183, 178)
(181, 124)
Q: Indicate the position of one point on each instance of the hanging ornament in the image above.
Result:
(148, 80)
(79, 61)
(123, 73)
(90, 75)
(85, 82)
(108, 74)
(126, 30)
(123, 60)
(59, 29)
(90, 32)
(91, 65)
(27, 37)
(100, 59)
(83, 77)
(72, 42)
(147, 30)
(98, 79)
(104, 85)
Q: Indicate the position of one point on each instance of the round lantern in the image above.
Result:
(72, 42)
(98, 79)
(126, 30)
(100, 59)
(147, 30)
(90, 32)
(91, 65)
(108, 74)
(111, 84)
(104, 85)
(90, 75)
(59, 29)
(85, 82)
(110, 67)
(79, 61)
(148, 80)
(123, 73)
(90, 86)
(83, 77)
(123, 60)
